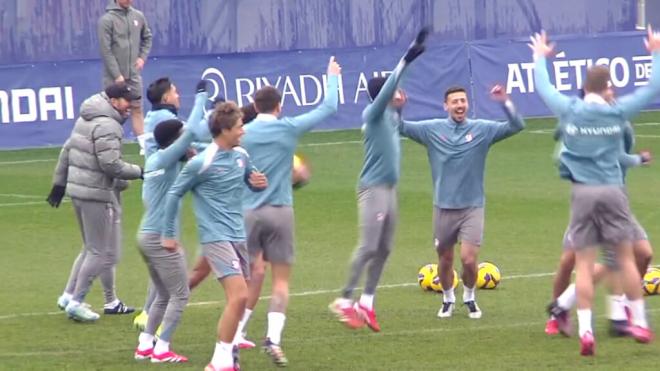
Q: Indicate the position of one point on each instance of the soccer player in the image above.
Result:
(564, 294)
(216, 178)
(592, 133)
(94, 166)
(377, 191)
(271, 141)
(167, 267)
(165, 103)
(457, 148)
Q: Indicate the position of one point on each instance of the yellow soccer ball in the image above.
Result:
(425, 276)
(488, 275)
(651, 282)
(301, 172)
(437, 287)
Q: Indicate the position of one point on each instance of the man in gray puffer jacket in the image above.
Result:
(125, 42)
(92, 171)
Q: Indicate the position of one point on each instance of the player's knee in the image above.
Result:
(469, 260)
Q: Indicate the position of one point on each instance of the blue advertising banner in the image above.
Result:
(510, 63)
(39, 103)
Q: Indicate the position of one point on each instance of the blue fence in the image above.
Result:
(57, 30)
(42, 103)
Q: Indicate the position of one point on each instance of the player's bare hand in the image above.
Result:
(334, 69)
(498, 93)
(540, 45)
(170, 244)
(652, 41)
(258, 180)
(646, 157)
(139, 64)
(120, 79)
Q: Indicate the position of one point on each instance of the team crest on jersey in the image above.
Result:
(468, 137)
(240, 163)
(136, 23)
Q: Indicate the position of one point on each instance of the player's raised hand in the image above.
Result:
(201, 87)
(417, 47)
(652, 41)
(498, 94)
(540, 45)
(258, 180)
(334, 69)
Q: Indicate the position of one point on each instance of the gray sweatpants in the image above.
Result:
(377, 216)
(107, 278)
(170, 281)
(100, 226)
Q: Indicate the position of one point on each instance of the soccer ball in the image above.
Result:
(437, 287)
(426, 275)
(301, 173)
(651, 282)
(488, 275)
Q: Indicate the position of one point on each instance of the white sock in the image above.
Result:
(367, 301)
(468, 294)
(566, 300)
(344, 303)
(552, 317)
(638, 313)
(222, 356)
(111, 304)
(275, 326)
(161, 347)
(617, 307)
(584, 321)
(240, 330)
(448, 296)
(67, 296)
(146, 341)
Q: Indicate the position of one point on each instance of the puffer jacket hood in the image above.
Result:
(98, 105)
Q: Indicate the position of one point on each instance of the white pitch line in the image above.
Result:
(320, 339)
(16, 195)
(296, 294)
(27, 203)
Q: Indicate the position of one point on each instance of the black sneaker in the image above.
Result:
(446, 310)
(275, 352)
(473, 309)
(120, 308)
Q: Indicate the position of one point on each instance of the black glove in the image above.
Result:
(417, 47)
(201, 86)
(56, 195)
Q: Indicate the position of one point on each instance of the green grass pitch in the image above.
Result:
(526, 213)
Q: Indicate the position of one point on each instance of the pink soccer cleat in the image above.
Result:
(168, 357)
(368, 316)
(346, 314)
(551, 327)
(641, 334)
(587, 344)
(143, 354)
